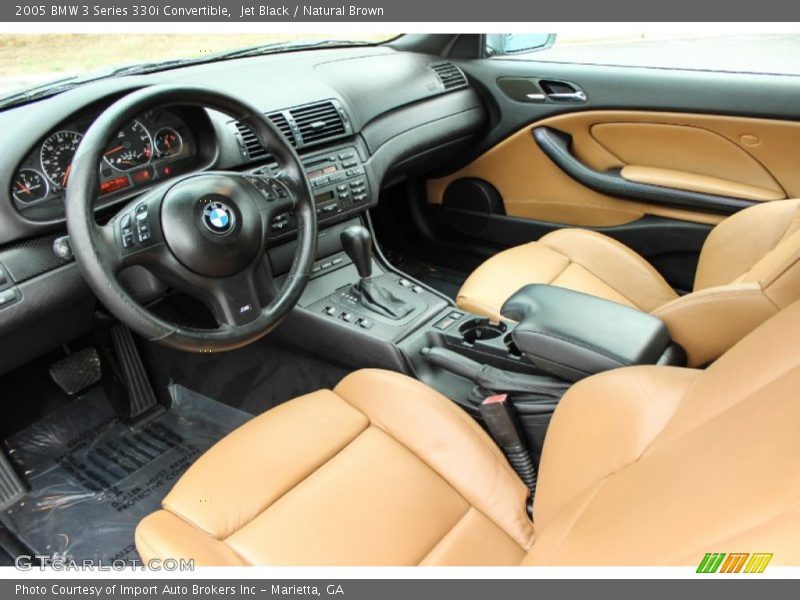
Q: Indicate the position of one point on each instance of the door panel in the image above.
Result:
(684, 148)
(668, 153)
(728, 156)
(533, 187)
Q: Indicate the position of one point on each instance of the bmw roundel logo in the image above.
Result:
(218, 218)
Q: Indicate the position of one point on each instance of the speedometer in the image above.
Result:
(56, 156)
(131, 147)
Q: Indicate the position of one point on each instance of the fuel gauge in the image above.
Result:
(29, 186)
(168, 142)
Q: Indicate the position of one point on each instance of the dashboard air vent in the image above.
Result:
(279, 120)
(451, 76)
(254, 149)
(252, 146)
(318, 122)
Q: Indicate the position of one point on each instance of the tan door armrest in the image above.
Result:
(693, 182)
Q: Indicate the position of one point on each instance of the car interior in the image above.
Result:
(407, 303)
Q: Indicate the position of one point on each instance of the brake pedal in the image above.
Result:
(141, 396)
(76, 372)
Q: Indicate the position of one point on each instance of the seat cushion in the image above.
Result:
(577, 259)
(382, 470)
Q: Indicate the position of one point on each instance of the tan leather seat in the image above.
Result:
(641, 466)
(749, 269)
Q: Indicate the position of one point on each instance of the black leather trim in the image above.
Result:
(574, 335)
(556, 145)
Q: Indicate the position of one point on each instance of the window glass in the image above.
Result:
(757, 53)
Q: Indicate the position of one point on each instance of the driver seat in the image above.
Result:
(642, 466)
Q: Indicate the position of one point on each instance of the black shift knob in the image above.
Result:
(357, 242)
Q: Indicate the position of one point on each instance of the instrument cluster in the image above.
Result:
(157, 145)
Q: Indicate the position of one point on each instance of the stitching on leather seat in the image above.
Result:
(706, 298)
(483, 437)
(572, 260)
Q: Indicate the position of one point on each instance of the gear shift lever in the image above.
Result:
(357, 243)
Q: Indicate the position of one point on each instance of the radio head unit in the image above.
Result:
(338, 180)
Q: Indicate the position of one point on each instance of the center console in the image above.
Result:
(359, 311)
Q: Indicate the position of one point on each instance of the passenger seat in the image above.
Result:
(749, 269)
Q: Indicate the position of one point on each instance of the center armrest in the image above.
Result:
(574, 335)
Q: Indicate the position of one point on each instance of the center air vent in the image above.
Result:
(279, 120)
(303, 126)
(451, 77)
(318, 122)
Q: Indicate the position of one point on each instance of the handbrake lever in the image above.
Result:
(492, 378)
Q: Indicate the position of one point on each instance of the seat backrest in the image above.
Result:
(659, 465)
(758, 245)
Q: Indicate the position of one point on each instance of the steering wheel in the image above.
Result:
(204, 234)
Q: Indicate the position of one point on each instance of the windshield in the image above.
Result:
(32, 60)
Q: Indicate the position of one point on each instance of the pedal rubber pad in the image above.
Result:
(78, 371)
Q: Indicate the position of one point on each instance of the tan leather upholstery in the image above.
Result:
(641, 466)
(576, 259)
(739, 150)
(749, 269)
(658, 465)
(382, 470)
(684, 180)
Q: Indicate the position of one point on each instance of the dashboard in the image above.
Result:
(157, 145)
(360, 118)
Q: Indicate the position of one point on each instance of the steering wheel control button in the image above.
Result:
(218, 217)
(279, 190)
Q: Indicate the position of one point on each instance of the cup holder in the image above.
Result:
(481, 329)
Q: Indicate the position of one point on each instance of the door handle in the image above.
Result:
(576, 96)
(562, 91)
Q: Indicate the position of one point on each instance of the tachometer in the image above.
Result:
(56, 156)
(29, 186)
(168, 142)
(132, 147)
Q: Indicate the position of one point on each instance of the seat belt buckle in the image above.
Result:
(497, 414)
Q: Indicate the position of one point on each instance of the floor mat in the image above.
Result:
(447, 281)
(93, 478)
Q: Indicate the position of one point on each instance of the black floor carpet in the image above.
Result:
(253, 379)
(93, 478)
